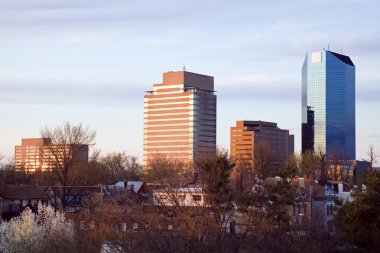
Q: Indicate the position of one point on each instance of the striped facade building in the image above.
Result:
(180, 118)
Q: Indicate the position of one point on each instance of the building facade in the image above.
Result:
(328, 104)
(180, 117)
(247, 137)
(39, 154)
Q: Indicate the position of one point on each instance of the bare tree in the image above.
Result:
(309, 163)
(167, 175)
(372, 157)
(122, 166)
(322, 158)
(66, 158)
(6, 169)
(264, 161)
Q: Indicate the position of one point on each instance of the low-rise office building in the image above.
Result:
(247, 137)
(39, 154)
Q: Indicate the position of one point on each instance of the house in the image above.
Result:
(15, 198)
(316, 203)
(179, 196)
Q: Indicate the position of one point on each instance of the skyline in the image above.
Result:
(91, 62)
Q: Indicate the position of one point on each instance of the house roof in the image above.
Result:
(190, 189)
(136, 185)
(25, 192)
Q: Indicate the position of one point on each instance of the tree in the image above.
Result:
(322, 157)
(264, 161)
(163, 171)
(44, 231)
(372, 157)
(122, 167)
(167, 175)
(66, 154)
(215, 174)
(309, 163)
(291, 167)
(5, 174)
(359, 221)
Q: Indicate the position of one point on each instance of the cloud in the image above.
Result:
(69, 92)
(263, 93)
(260, 80)
(368, 95)
(260, 86)
(50, 13)
(373, 136)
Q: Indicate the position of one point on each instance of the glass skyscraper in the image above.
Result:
(328, 104)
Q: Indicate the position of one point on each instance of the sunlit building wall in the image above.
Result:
(38, 154)
(180, 118)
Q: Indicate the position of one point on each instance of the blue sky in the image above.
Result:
(90, 61)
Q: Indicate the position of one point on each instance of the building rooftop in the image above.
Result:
(25, 192)
(343, 58)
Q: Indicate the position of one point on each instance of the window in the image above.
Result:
(197, 197)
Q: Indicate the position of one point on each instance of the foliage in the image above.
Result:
(166, 172)
(359, 221)
(291, 167)
(308, 163)
(121, 166)
(264, 161)
(215, 174)
(45, 231)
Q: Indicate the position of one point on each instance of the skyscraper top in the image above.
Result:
(343, 58)
(189, 79)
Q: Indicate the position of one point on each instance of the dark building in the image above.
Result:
(308, 132)
(247, 137)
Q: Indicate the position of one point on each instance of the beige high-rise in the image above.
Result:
(180, 117)
(247, 136)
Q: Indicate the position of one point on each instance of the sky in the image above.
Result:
(91, 61)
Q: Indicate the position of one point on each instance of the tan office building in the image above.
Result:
(247, 136)
(38, 154)
(180, 117)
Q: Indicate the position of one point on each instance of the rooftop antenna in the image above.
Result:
(184, 68)
(328, 47)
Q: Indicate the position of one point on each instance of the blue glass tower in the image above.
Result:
(328, 104)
